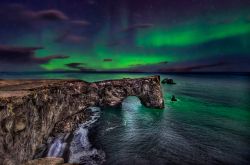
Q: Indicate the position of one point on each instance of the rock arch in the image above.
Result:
(31, 109)
(148, 90)
(131, 102)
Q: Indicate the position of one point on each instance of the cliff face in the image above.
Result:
(30, 109)
(113, 92)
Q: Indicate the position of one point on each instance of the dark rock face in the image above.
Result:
(173, 98)
(113, 92)
(32, 109)
(168, 81)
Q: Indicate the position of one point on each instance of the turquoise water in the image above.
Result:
(209, 124)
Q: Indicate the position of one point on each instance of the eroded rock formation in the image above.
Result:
(168, 81)
(30, 109)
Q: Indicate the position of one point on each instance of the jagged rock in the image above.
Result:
(168, 81)
(173, 98)
(70, 123)
(30, 109)
(7, 124)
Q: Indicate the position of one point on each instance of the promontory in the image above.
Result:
(30, 109)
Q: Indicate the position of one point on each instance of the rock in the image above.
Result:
(148, 90)
(32, 109)
(173, 98)
(46, 161)
(7, 124)
(72, 122)
(168, 81)
(20, 124)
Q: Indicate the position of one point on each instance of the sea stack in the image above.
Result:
(173, 98)
(30, 109)
(168, 81)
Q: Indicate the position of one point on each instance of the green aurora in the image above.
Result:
(156, 39)
(190, 35)
(162, 42)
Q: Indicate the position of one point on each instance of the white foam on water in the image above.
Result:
(57, 147)
(111, 128)
(81, 150)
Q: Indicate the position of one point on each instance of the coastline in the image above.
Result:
(31, 108)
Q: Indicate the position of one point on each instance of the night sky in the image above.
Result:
(125, 35)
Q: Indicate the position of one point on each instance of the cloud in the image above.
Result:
(51, 15)
(107, 60)
(150, 65)
(190, 66)
(16, 13)
(43, 60)
(24, 55)
(17, 21)
(76, 65)
(193, 67)
(17, 55)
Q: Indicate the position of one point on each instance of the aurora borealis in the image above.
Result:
(125, 35)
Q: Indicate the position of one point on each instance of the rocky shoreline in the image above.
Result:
(32, 110)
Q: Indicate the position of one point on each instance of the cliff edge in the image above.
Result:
(30, 109)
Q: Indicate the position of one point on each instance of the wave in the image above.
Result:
(80, 148)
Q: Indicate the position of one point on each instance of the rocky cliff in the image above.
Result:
(30, 109)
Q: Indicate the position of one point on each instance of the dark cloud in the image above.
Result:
(43, 60)
(194, 67)
(78, 66)
(19, 13)
(233, 63)
(17, 55)
(75, 65)
(107, 60)
(164, 62)
(24, 55)
(136, 65)
(51, 15)
(151, 65)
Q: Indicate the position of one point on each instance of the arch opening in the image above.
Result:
(131, 102)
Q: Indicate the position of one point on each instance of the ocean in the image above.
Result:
(208, 124)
